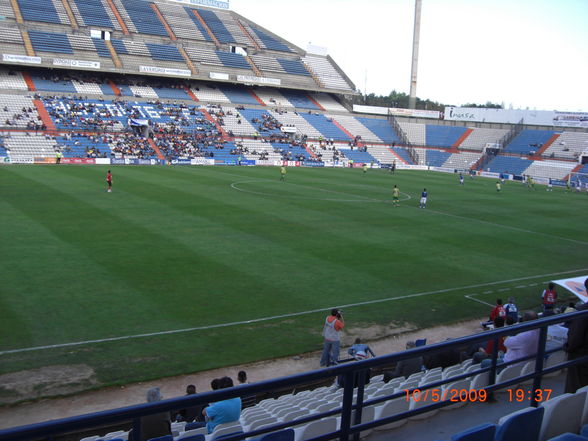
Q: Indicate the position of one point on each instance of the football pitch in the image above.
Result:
(183, 269)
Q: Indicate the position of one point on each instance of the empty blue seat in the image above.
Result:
(144, 18)
(270, 42)
(528, 140)
(93, 13)
(294, 67)
(230, 59)
(381, 128)
(35, 10)
(50, 42)
(238, 432)
(483, 432)
(443, 136)
(522, 426)
(217, 27)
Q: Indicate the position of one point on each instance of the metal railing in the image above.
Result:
(354, 375)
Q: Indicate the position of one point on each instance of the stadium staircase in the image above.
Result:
(17, 13)
(27, 43)
(460, 140)
(118, 17)
(315, 102)
(209, 117)
(253, 66)
(114, 88)
(548, 144)
(42, 111)
(248, 35)
(155, 148)
(165, 24)
(207, 28)
(29, 81)
(70, 14)
(343, 129)
(114, 56)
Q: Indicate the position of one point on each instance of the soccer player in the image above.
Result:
(549, 185)
(365, 167)
(498, 186)
(423, 203)
(109, 181)
(393, 168)
(282, 173)
(395, 195)
(460, 179)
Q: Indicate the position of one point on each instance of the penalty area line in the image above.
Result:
(276, 317)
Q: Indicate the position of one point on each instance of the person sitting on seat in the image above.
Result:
(224, 411)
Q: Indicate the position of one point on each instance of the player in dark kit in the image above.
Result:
(109, 181)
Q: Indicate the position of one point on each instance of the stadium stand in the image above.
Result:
(356, 128)
(437, 158)
(325, 126)
(328, 75)
(415, 132)
(91, 13)
(550, 169)
(381, 128)
(568, 145)
(479, 137)
(442, 136)
(461, 161)
(508, 164)
(304, 409)
(49, 11)
(143, 17)
(529, 140)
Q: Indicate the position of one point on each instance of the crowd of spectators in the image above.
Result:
(26, 117)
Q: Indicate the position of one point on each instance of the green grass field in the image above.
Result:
(177, 248)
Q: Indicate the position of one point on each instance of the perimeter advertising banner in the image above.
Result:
(575, 285)
(514, 116)
(77, 161)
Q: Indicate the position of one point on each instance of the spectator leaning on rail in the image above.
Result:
(225, 411)
(360, 350)
(334, 323)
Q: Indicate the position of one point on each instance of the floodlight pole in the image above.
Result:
(415, 54)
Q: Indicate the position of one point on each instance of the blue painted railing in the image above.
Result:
(354, 374)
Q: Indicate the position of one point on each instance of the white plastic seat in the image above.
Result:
(192, 432)
(291, 416)
(553, 359)
(562, 414)
(393, 407)
(315, 428)
(508, 373)
(453, 391)
(262, 422)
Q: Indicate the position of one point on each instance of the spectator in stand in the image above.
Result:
(332, 328)
(191, 414)
(487, 351)
(224, 411)
(360, 350)
(405, 368)
(247, 401)
(497, 311)
(511, 309)
(549, 298)
(154, 425)
(576, 347)
(519, 346)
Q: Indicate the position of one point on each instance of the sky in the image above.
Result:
(520, 53)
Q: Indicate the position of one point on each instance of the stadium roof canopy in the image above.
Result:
(160, 38)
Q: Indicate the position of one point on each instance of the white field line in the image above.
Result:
(471, 297)
(293, 314)
(522, 230)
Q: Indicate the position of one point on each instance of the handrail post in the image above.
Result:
(347, 405)
(361, 377)
(539, 365)
(136, 430)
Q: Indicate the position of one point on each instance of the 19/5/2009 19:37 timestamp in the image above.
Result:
(436, 395)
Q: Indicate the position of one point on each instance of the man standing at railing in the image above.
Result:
(334, 324)
(576, 347)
